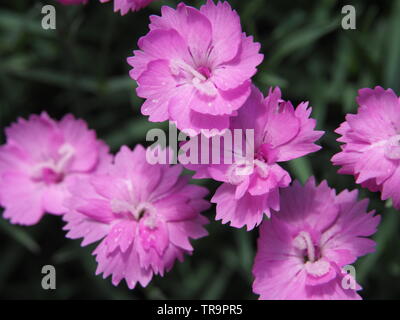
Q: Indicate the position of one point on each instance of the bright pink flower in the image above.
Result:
(371, 150)
(303, 248)
(40, 159)
(68, 2)
(194, 66)
(251, 184)
(124, 6)
(144, 214)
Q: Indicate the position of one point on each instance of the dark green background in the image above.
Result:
(81, 68)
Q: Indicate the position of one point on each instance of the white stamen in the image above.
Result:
(392, 148)
(206, 87)
(303, 241)
(67, 152)
(262, 168)
(121, 206)
(179, 64)
(317, 268)
(237, 172)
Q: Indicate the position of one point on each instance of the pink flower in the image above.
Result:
(143, 214)
(303, 248)
(194, 66)
(124, 6)
(371, 150)
(251, 184)
(38, 162)
(68, 2)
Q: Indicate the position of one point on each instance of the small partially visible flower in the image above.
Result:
(143, 214)
(251, 184)
(194, 66)
(68, 2)
(124, 6)
(40, 159)
(371, 149)
(303, 248)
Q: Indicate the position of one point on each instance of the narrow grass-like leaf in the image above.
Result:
(20, 235)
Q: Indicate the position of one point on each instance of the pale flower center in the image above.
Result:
(53, 170)
(238, 171)
(206, 72)
(262, 168)
(143, 210)
(197, 77)
(392, 148)
(313, 264)
(303, 241)
(317, 268)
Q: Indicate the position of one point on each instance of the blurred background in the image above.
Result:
(81, 68)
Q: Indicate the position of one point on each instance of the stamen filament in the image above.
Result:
(303, 241)
(188, 68)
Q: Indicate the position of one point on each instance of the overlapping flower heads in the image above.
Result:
(194, 68)
(251, 183)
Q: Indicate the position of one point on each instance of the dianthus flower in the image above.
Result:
(251, 182)
(194, 66)
(143, 214)
(305, 249)
(40, 159)
(371, 149)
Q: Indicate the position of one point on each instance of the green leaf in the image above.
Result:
(300, 38)
(20, 235)
(392, 54)
(245, 251)
(301, 168)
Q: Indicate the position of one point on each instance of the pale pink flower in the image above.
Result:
(124, 6)
(371, 149)
(40, 159)
(194, 66)
(143, 214)
(251, 184)
(303, 248)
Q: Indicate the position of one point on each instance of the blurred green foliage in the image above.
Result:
(81, 68)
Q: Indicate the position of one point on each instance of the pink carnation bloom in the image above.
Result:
(303, 248)
(68, 2)
(40, 159)
(194, 66)
(143, 214)
(371, 150)
(124, 6)
(251, 184)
